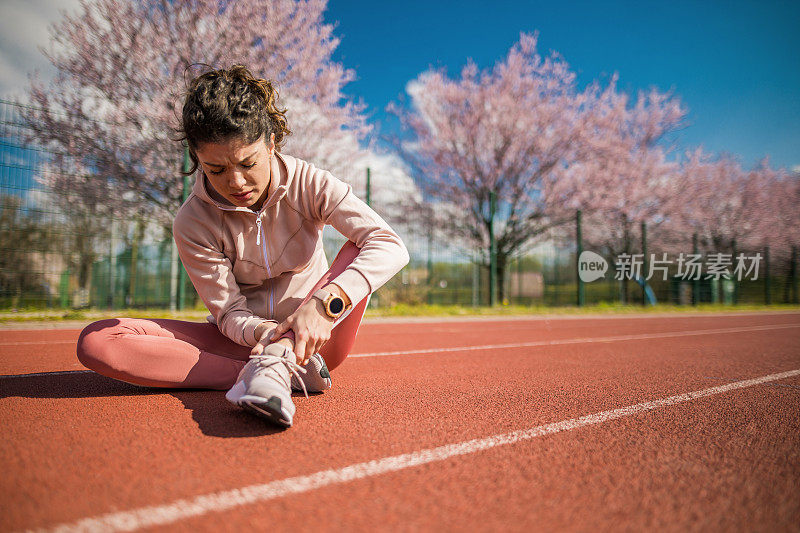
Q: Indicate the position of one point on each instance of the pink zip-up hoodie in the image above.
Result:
(251, 267)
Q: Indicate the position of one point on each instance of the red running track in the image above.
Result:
(460, 434)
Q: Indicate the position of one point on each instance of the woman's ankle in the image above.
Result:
(287, 342)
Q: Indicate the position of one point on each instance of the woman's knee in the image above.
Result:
(93, 343)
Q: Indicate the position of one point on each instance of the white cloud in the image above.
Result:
(23, 29)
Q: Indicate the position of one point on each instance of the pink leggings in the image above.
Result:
(175, 353)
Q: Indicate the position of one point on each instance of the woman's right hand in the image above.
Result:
(265, 332)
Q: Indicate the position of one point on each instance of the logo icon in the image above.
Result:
(591, 266)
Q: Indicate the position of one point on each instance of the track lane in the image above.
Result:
(54, 349)
(340, 427)
(665, 470)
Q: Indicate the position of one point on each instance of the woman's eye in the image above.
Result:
(216, 171)
(251, 165)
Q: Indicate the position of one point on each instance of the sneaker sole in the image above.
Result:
(271, 410)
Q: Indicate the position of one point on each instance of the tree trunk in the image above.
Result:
(627, 243)
(502, 259)
(787, 281)
(83, 269)
(85, 260)
(138, 235)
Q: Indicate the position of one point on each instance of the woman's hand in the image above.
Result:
(263, 335)
(312, 328)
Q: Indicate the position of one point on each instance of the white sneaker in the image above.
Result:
(317, 378)
(264, 385)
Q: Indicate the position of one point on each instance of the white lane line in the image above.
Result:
(614, 338)
(29, 343)
(558, 317)
(601, 339)
(228, 499)
(493, 319)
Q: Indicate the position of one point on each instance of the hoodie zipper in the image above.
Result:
(270, 295)
(270, 299)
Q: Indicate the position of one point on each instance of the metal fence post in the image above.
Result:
(476, 281)
(624, 297)
(733, 278)
(133, 282)
(644, 263)
(492, 251)
(429, 265)
(173, 276)
(696, 281)
(556, 278)
(63, 289)
(187, 164)
(767, 285)
(793, 277)
(579, 239)
(112, 267)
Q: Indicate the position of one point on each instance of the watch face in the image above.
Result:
(336, 305)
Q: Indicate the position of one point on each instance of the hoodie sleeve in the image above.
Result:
(210, 271)
(382, 254)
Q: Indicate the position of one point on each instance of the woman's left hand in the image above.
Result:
(312, 328)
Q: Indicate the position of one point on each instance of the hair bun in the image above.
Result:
(220, 105)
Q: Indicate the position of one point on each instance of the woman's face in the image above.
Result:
(238, 172)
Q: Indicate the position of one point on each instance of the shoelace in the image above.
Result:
(267, 360)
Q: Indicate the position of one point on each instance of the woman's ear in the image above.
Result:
(271, 143)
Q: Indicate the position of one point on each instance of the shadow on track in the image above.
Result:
(214, 415)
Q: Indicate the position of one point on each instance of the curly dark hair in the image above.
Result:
(221, 105)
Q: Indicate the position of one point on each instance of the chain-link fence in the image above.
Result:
(56, 253)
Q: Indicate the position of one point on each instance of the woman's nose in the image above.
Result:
(237, 180)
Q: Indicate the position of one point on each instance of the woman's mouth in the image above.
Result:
(242, 196)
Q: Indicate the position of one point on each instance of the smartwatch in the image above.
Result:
(333, 304)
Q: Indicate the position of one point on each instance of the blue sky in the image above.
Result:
(735, 64)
